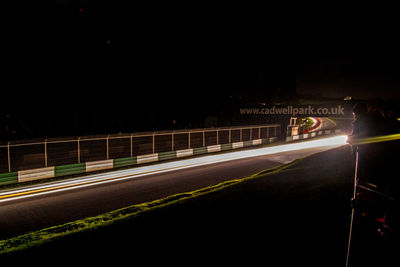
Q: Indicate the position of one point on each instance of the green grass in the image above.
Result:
(92, 223)
(296, 214)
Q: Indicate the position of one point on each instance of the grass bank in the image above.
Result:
(37, 238)
(297, 212)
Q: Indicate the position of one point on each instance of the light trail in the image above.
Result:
(97, 179)
(314, 126)
(374, 139)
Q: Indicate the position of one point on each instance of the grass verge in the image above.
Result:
(36, 238)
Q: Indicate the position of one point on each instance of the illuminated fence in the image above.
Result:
(22, 161)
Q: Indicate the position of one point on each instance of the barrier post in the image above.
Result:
(8, 153)
(108, 136)
(131, 146)
(189, 141)
(45, 152)
(153, 141)
(79, 150)
(172, 141)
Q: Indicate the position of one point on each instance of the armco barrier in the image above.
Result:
(23, 161)
(8, 178)
(311, 135)
(69, 169)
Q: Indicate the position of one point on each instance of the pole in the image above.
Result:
(352, 211)
(79, 150)
(153, 141)
(8, 153)
(189, 141)
(45, 153)
(131, 146)
(172, 142)
(108, 136)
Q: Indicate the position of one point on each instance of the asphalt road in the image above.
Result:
(36, 211)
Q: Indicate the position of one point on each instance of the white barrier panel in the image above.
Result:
(184, 153)
(313, 134)
(147, 158)
(237, 145)
(215, 148)
(99, 165)
(35, 174)
(295, 137)
(257, 142)
(305, 135)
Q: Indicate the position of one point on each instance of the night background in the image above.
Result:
(85, 67)
(79, 78)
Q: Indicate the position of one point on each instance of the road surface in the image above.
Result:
(35, 207)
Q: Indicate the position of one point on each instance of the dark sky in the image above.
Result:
(361, 68)
(86, 45)
(349, 49)
(113, 65)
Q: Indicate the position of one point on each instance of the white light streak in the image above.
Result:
(119, 175)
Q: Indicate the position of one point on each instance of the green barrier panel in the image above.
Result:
(69, 169)
(265, 141)
(122, 162)
(8, 178)
(167, 155)
(199, 150)
(247, 143)
(225, 147)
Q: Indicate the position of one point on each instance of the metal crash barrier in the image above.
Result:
(28, 160)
